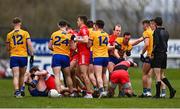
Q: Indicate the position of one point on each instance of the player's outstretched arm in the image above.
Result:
(42, 72)
(110, 47)
(137, 41)
(84, 39)
(116, 53)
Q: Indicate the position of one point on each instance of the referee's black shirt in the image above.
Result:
(160, 40)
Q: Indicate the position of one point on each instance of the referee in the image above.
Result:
(159, 62)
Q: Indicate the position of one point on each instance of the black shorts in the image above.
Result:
(159, 61)
(148, 60)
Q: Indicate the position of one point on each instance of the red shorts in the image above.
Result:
(50, 83)
(119, 76)
(83, 58)
(75, 57)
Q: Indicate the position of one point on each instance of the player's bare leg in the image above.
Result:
(105, 80)
(84, 72)
(149, 79)
(73, 72)
(98, 73)
(56, 71)
(92, 76)
(127, 88)
(68, 79)
(111, 90)
(99, 76)
(16, 75)
(110, 67)
(146, 79)
(21, 80)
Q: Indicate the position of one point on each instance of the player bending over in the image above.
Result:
(120, 76)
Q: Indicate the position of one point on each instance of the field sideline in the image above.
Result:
(7, 100)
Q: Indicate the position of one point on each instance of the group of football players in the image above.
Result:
(84, 57)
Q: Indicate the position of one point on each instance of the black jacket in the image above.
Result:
(160, 40)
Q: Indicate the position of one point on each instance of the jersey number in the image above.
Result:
(17, 39)
(58, 41)
(105, 41)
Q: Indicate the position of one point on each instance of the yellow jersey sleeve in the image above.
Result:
(119, 40)
(8, 38)
(146, 34)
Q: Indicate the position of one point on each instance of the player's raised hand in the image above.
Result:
(118, 46)
(128, 53)
(73, 37)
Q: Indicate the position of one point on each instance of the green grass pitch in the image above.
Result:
(7, 100)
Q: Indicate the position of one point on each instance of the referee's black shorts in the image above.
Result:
(159, 60)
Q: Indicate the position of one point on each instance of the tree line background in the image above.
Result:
(40, 17)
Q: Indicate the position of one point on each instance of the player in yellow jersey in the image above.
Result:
(148, 47)
(92, 78)
(99, 41)
(17, 42)
(123, 46)
(60, 44)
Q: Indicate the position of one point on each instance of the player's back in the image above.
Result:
(60, 40)
(17, 40)
(123, 65)
(100, 43)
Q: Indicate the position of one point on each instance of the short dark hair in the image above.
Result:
(158, 21)
(90, 23)
(100, 23)
(116, 25)
(146, 22)
(34, 69)
(62, 23)
(126, 33)
(16, 20)
(83, 18)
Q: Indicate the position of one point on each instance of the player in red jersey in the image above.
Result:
(112, 59)
(84, 52)
(120, 76)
